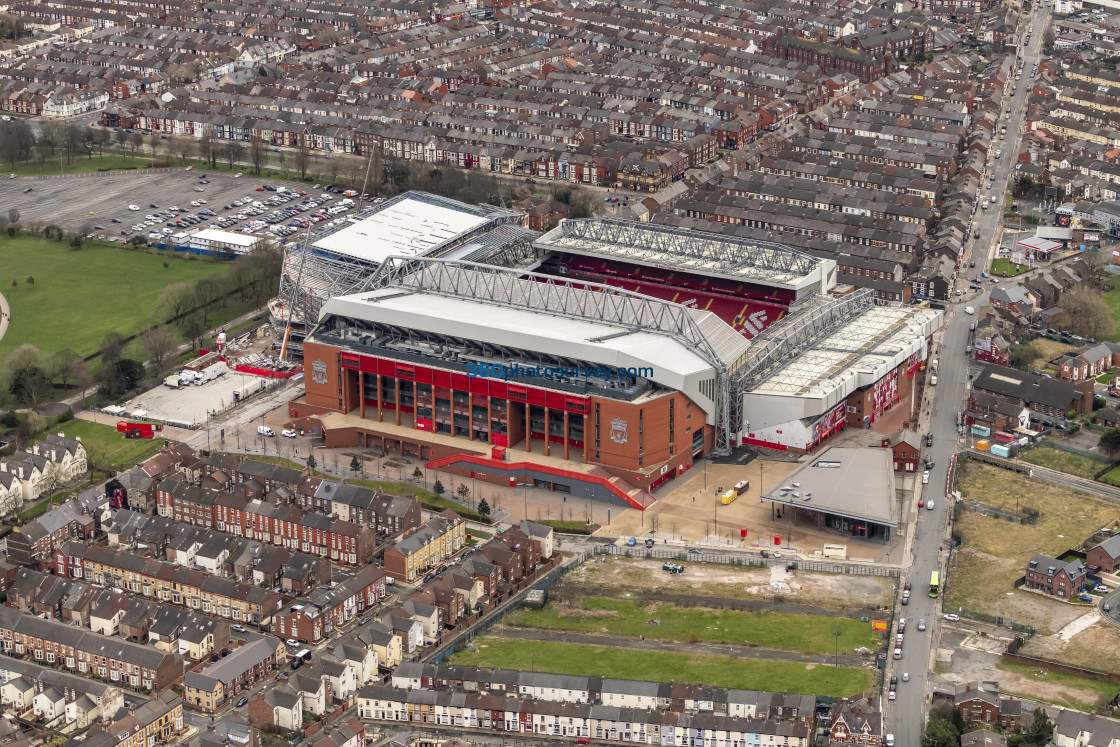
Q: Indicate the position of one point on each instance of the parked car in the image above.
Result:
(953, 617)
(288, 433)
(929, 505)
(925, 477)
(1100, 588)
(242, 702)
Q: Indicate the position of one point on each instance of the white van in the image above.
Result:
(264, 430)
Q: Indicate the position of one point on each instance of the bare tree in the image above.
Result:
(180, 146)
(207, 149)
(234, 152)
(135, 140)
(303, 154)
(175, 299)
(1088, 314)
(50, 136)
(258, 154)
(73, 140)
(158, 344)
(122, 138)
(154, 143)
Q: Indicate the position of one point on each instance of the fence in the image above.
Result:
(1057, 666)
(1078, 452)
(664, 553)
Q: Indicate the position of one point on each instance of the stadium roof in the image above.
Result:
(857, 483)
(696, 251)
(582, 321)
(412, 225)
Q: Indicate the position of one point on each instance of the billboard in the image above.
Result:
(879, 626)
(885, 392)
(828, 422)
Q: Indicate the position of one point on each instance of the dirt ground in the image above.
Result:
(691, 512)
(827, 591)
(972, 664)
(1096, 647)
(1049, 350)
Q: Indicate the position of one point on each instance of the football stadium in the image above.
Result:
(602, 358)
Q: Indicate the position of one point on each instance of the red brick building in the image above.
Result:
(906, 448)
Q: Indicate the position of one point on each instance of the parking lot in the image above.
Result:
(101, 203)
(192, 403)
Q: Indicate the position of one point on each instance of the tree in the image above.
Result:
(484, 508)
(1041, 729)
(303, 155)
(195, 330)
(122, 138)
(111, 348)
(119, 377)
(68, 368)
(28, 377)
(1022, 355)
(207, 149)
(13, 215)
(158, 344)
(438, 488)
(463, 491)
(258, 154)
(234, 152)
(175, 299)
(154, 143)
(1109, 442)
(417, 474)
(940, 733)
(135, 141)
(72, 140)
(311, 461)
(355, 464)
(180, 146)
(50, 136)
(1088, 314)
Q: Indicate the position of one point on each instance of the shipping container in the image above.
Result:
(1001, 450)
(980, 430)
(1003, 437)
(742, 486)
(982, 445)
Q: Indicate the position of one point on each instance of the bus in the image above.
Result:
(934, 583)
(300, 658)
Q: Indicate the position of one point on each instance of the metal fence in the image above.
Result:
(703, 556)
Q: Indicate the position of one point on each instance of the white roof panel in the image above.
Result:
(226, 237)
(406, 228)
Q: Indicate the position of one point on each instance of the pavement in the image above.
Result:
(5, 316)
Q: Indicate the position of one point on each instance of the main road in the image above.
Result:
(904, 716)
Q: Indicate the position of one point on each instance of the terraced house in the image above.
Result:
(165, 582)
(55, 642)
(438, 539)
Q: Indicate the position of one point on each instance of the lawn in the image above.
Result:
(1112, 298)
(122, 452)
(812, 634)
(80, 296)
(1112, 477)
(570, 527)
(80, 165)
(1063, 461)
(1002, 267)
(664, 666)
(1068, 690)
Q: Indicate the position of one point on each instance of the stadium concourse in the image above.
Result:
(600, 359)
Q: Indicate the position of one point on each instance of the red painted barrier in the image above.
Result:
(267, 373)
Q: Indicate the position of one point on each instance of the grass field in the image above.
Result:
(1063, 461)
(1048, 350)
(1069, 690)
(808, 633)
(80, 165)
(995, 551)
(80, 296)
(1067, 515)
(1112, 298)
(662, 666)
(1002, 266)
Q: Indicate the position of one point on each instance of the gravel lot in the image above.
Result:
(95, 199)
(192, 403)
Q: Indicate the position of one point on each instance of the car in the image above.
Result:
(1085, 597)
(902, 625)
(929, 505)
(953, 617)
(921, 503)
(897, 653)
(632, 541)
(925, 477)
(583, 740)
(239, 628)
(889, 741)
(199, 189)
(365, 620)
(237, 175)
(260, 189)
(190, 168)
(892, 695)
(288, 433)
(989, 186)
(697, 551)
(905, 601)
(242, 702)
(905, 676)
(649, 542)
(930, 463)
(922, 624)
(292, 642)
(1100, 588)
